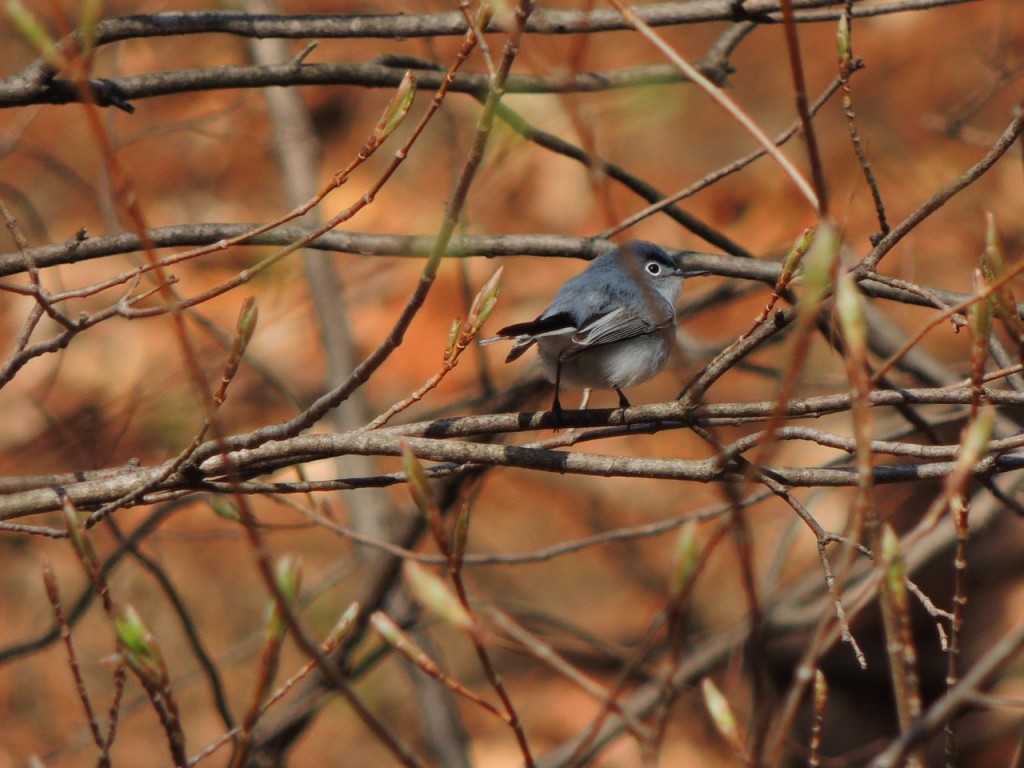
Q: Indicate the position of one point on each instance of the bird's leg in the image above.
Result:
(586, 398)
(623, 402)
(556, 405)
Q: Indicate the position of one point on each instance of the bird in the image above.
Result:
(611, 327)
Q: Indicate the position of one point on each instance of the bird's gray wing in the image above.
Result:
(617, 325)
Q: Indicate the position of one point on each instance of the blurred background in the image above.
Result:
(938, 87)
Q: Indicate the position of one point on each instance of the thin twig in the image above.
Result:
(724, 101)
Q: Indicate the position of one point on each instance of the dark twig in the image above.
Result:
(207, 664)
(796, 69)
(954, 700)
(1006, 140)
(64, 627)
(847, 64)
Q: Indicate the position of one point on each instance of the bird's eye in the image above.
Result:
(653, 268)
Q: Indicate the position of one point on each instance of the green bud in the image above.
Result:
(721, 713)
(993, 258)
(484, 14)
(977, 436)
(819, 265)
(223, 508)
(895, 567)
(400, 641)
(454, 333)
(432, 593)
(288, 577)
(979, 314)
(79, 539)
(246, 325)
(820, 690)
(345, 625)
(460, 533)
(843, 41)
(850, 310)
(796, 254)
(685, 558)
(419, 486)
(484, 301)
(397, 109)
(139, 647)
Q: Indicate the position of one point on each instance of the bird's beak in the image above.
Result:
(684, 272)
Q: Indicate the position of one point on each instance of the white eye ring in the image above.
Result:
(653, 268)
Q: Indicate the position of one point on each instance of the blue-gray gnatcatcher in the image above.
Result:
(611, 326)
